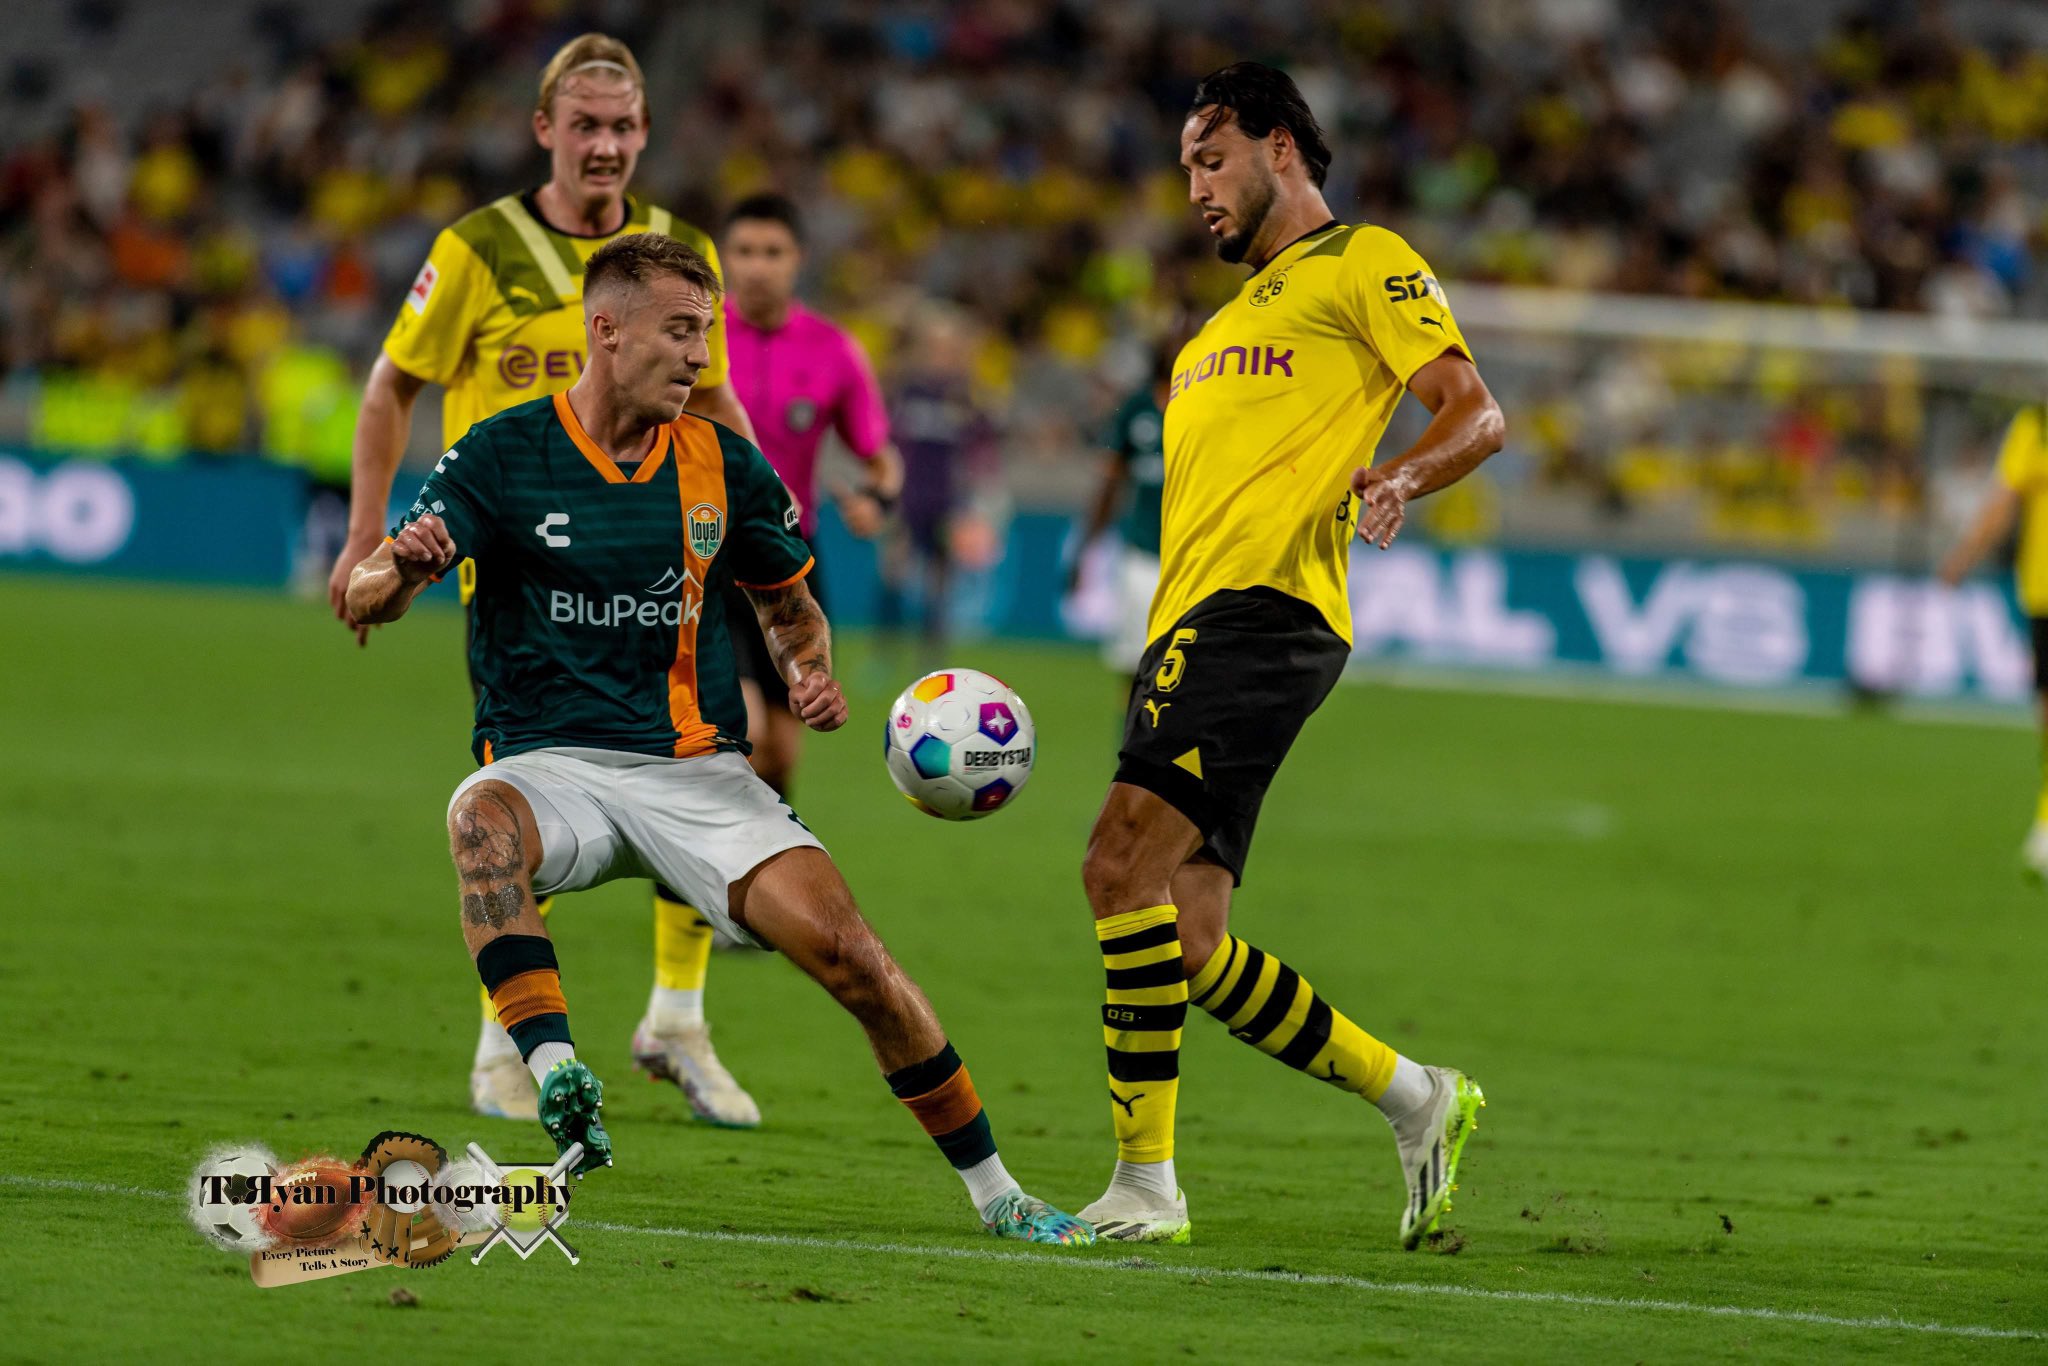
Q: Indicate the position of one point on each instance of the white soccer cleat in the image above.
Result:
(2034, 855)
(685, 1056)
(1431, 1139)
(1125, 1218)
(503, 1088)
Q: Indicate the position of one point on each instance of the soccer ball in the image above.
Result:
(959, 744)
(231, 1172)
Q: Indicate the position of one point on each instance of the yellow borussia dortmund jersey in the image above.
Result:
(496, 314)
(1282, 394)
(2023, 465)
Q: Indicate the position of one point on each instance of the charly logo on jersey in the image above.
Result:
(1270, 290)
(546, 530)
(674, 599)
(707, 530)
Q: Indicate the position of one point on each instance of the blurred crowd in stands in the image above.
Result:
(215, 274)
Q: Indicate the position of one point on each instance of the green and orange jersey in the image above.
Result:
(599, 611)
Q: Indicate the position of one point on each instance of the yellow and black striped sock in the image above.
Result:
(682, 943)
(1142, 1014)
(543, 906)
(1268, 1005)
(525, 984)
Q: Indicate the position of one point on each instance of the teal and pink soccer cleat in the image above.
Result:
(1027, 1219)
(570, 1098)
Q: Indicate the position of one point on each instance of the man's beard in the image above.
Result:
(1252, 214)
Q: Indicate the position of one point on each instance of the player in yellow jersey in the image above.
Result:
(495, 318)
(1273, 413)
(2020, 496)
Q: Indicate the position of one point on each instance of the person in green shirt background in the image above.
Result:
(1133, 480)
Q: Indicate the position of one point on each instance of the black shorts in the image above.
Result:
(1217, 703)
(750, 647)
(2040, 632)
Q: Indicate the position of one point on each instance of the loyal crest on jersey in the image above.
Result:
(707, 530)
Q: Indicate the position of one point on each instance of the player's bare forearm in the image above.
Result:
(800, 642)
(377, 592)
(721, 404)
(383, 426)
(885, 473)
(1465, 427)
(382, 587)
(1102, 508)
(799, 638)
(1994, 523)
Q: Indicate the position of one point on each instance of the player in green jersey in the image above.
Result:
(1133, 479)
(610, 724)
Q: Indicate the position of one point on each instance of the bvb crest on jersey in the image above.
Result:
(1270, 290)
(707, 529)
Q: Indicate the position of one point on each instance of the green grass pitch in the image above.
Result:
(1757, 1000)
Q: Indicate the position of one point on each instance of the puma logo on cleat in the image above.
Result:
(1127, 1104)
(1153, 709)
(1334, 1075)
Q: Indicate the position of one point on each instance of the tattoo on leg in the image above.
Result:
(490, 858)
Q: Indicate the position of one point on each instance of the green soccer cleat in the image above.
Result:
(1027, 1219)
(1430, 1149)
(570, 1098)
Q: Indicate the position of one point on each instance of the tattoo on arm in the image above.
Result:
(490, 858)
(795, 627)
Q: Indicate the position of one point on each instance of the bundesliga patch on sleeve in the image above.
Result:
(422, 288)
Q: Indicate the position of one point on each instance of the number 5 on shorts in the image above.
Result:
(1174, 663)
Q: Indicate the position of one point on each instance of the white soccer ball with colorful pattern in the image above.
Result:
(959, 744)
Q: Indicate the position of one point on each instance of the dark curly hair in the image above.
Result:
(1263, 98)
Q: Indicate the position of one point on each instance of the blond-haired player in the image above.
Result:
(495, 317)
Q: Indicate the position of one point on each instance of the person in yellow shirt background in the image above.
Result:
(495, 317)
(2019, 497)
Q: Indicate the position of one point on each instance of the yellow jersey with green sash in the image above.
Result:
(495, 316)
(2023, 468)
(1282, 394)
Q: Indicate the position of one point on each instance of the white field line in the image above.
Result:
(1135, 1265)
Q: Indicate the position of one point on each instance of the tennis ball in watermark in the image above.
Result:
(529, 1201)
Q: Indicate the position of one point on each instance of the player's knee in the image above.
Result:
(1113, 871)
(1198, 943)
(484, 835)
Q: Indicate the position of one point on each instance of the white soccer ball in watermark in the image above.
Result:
(218, 1198)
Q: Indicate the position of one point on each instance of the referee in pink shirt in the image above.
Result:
(798, 376)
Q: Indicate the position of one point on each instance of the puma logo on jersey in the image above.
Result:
(546, 530)
(1152, 709)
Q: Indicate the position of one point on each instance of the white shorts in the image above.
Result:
(1137, 579)
(698, 824)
